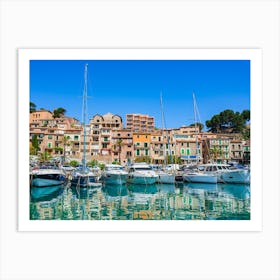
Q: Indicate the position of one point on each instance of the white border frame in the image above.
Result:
(254, 55)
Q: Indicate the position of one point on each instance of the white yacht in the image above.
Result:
(47, 177)
(226, 173)
(114, 174)
(141, 173)
(85, 178)
(165, 177)
(199, 177)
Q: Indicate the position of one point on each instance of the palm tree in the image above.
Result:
(119, 145)
(66, 141)
(216, 153)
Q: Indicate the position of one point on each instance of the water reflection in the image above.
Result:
(133, 202)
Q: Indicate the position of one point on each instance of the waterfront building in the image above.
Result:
(188, 144)
(236, 150)
(100, 131)
(140, 122)
(122, 146)
(246, 152)
(217, 149)
(141, 144)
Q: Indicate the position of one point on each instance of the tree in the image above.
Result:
(216, 153)
(200, 125)
(146, 159)
(74, 163)
(93, 163)
(59, 112)
(35, 144)
(119, 145)
(228, 121)
(66, 141)
(32, 107)
(246, 115)
(45, 156)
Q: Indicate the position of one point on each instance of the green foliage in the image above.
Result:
(32, 107)
(228, 121)
(74, 163)
(115, 162)
(35, 145)
(59, 149)
(93, 163)
(146, 159)
(101, 166)
(174, 160)
(59, 112)
(246, 134)
(45, 156)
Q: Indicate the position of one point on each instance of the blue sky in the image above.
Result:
(133, 86)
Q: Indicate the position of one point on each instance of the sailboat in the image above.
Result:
(164, 176)
(195, 176)
(84, 177)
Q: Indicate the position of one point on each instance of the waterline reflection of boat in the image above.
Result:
(114, 191)
(45, 194)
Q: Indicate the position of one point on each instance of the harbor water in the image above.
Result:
(142, 202)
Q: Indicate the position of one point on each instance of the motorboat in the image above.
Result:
(141, 173)
(226, 173)
(85, 178)
(44, 177)
(114, 174)
(165, 177)
(199, 177)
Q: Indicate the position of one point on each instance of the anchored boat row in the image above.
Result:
(140, 174)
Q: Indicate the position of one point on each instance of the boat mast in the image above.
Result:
(195, 127)
(164, 128)
(84, 115)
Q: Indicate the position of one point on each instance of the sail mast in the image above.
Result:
(195, 127)
(84, 116)
(163, 124)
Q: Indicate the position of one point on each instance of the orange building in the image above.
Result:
(142, 143)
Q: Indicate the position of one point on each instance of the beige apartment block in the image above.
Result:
(139, 122)
(236, 150)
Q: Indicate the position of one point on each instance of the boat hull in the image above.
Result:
(114, 179)
(41, 182)
(236, 177)
(198, 178)
(141, 180)
(166, 179)
(85, 181)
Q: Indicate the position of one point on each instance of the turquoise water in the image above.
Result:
(134, 202)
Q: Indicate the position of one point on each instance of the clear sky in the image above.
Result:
(133, 86)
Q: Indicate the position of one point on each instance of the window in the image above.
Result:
(137, 152)
(188, 145)
(188, 151)
(182, 151)
(49, 144)
(145, 145)
(76, 138)
(49, 136)
(137, 144)
(105, 139)
(146, 152)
